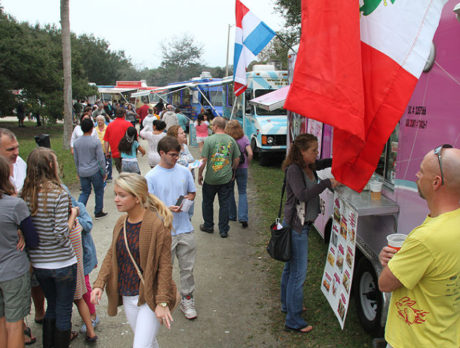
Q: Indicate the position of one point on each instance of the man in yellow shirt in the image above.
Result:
(424, 275)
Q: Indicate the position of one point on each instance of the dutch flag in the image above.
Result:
(251, 36)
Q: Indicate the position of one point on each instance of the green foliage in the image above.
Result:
(181, 60)
(27, 143)
(277, 51)
(31, 60)
(101, 65)
(291, 11)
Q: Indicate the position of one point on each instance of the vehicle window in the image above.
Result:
(186, 97)
(217, 98)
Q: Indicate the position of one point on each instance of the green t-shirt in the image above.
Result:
(425, 311)
(220, 151)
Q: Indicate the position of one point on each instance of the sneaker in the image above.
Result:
(95, 322)
(187, 306)
(99, 215)
(244, 224)
(206, 229)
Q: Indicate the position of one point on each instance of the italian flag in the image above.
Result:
(357, 66)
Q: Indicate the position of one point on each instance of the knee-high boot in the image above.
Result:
(49, 327)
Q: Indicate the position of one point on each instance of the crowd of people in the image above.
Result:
(48, 231)
(54, 238)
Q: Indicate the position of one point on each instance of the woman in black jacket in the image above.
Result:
(301, 209)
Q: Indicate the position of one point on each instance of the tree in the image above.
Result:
(291, 11)
(277, 51)
(100, 64)
(181, 59)
(67, 64)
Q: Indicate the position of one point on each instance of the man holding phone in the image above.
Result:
(174, 185)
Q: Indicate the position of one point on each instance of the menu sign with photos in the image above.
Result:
(338, 271)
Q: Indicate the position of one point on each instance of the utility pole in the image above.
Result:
(228, 49)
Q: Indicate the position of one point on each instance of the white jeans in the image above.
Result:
(144, 333)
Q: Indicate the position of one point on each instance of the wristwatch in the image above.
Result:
(163, 304)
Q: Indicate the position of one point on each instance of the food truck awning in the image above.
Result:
(141, 93)
(273, 100)
(115, 90)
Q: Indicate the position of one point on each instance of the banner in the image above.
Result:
(340, 261)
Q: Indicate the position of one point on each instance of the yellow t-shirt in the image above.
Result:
(425, 311)
(100, 134)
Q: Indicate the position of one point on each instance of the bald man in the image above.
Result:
(424, 275)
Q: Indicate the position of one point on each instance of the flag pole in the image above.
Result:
(285, 43)
(228, 48)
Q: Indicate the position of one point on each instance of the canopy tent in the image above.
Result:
(271, 101)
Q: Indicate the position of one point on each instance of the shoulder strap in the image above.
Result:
(282, 195)
(139, 273)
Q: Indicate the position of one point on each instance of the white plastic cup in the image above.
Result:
(376, 190)
(396, 240)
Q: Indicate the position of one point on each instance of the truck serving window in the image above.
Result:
(262, 112)
(217, 98)
(387, 163)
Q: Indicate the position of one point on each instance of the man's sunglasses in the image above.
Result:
(437, 152)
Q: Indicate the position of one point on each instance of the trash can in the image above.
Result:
(43, 140)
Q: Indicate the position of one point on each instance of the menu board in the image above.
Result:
(338, 271)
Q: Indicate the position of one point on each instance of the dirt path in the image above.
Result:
(230, 288)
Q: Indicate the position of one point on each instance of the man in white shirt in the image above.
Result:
(9, 148)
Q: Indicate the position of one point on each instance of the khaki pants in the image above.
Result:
(183, 247)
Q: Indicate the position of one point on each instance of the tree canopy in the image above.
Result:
(31, 61)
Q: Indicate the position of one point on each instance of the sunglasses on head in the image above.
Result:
(437, 152)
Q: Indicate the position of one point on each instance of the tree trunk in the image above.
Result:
(66, 58)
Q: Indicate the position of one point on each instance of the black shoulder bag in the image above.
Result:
(279, 246)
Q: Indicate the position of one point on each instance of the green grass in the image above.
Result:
(27, 143)
(327, 332)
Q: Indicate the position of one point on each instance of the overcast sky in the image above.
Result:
(139, 26)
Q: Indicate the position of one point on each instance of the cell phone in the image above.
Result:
(179, 201)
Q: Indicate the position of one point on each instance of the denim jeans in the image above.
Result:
(58, 285)
(223, 192)
(108, 166)
(241, 179)
(98, 184)
(293, 278)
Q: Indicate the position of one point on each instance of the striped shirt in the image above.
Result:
(54, 249)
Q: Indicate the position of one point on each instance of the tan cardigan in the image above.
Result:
(155, 261)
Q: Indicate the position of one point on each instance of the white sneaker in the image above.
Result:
(187, 306)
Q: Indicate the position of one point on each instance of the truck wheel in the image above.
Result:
(254, 149)
(368, 298)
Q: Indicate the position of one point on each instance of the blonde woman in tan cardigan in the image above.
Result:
(147, 293)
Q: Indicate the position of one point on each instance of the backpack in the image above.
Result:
(243, 156)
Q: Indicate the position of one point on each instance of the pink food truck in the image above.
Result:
(432, 117)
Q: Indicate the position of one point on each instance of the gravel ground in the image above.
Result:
(231, 293)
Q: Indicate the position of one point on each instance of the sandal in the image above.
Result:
(28, 333)
(91, 339)
(73, 335)
(302, 330)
